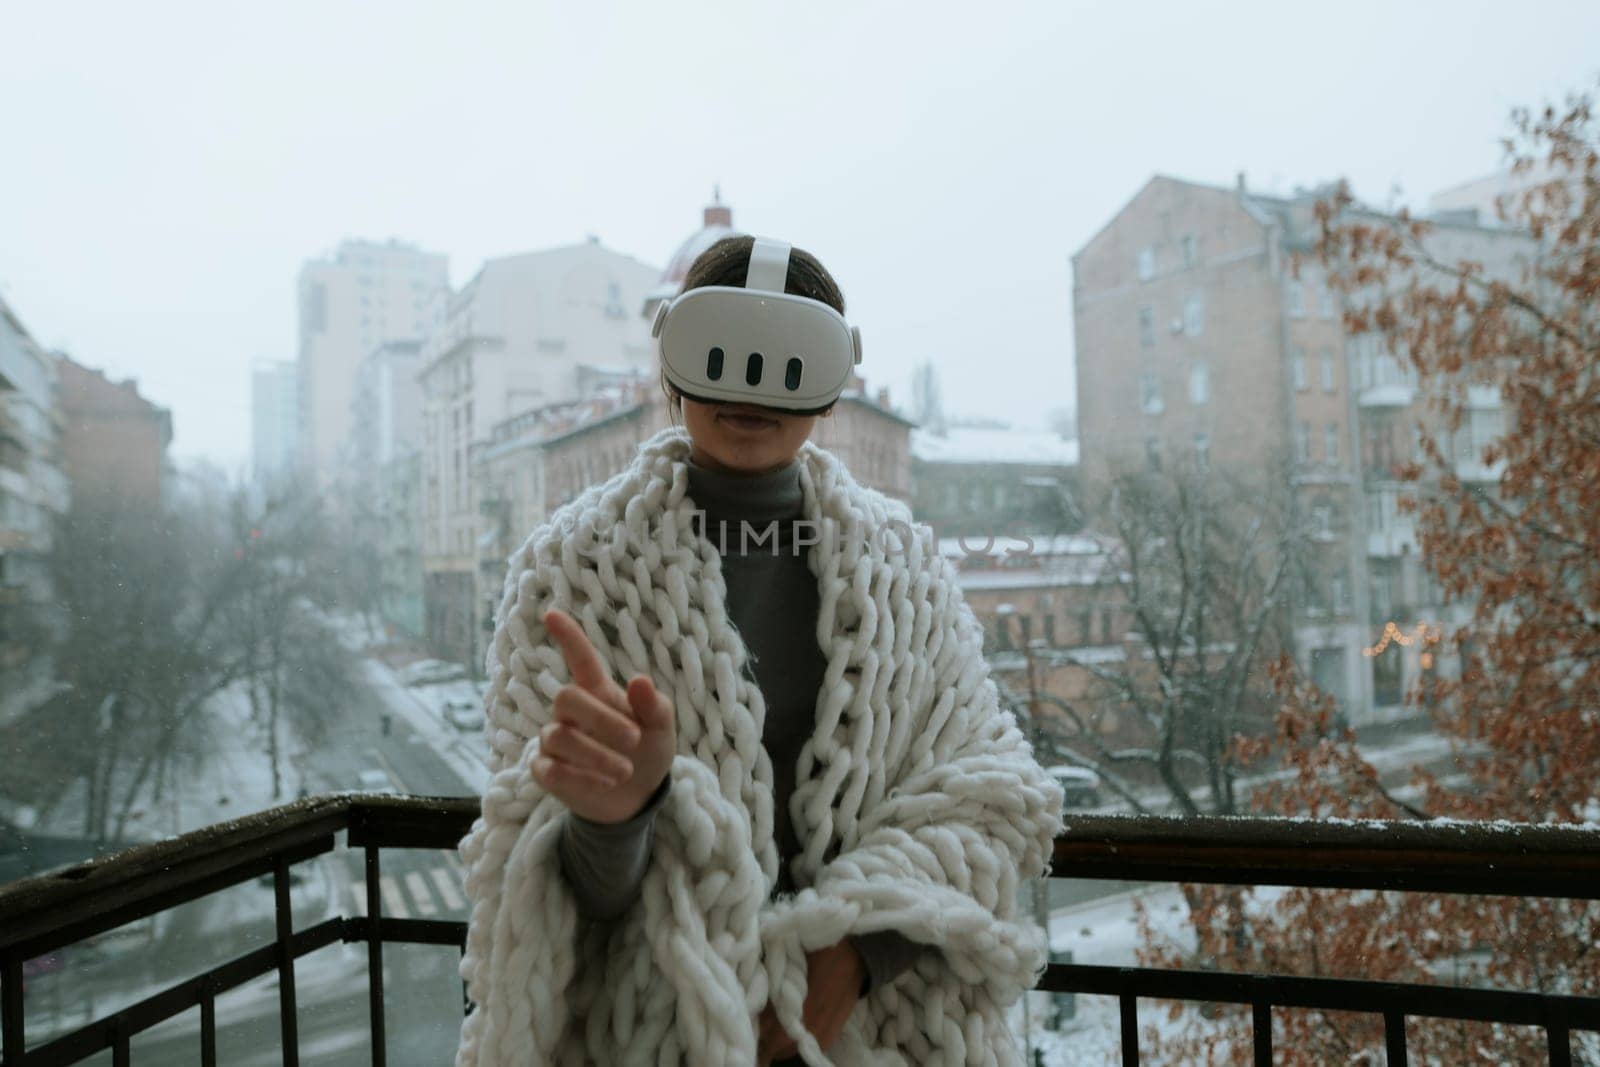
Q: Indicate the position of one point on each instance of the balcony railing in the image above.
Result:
(46, 913)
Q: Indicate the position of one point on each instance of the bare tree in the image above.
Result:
(1203, 566)
(166, 608)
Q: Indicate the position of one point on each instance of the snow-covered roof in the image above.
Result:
(1005, 544)
(973, 445)
(1387, 396)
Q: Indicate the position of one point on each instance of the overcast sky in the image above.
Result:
(165, 168)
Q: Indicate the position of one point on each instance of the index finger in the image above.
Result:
(583, 661)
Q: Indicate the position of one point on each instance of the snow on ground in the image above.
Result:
(465, 752)
(1105, 932)
(422, 707)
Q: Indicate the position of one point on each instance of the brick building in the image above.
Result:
(113, 441)
(1197, 341)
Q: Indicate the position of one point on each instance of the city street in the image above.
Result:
(422, 993)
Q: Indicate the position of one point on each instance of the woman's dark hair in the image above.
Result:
(728, 263)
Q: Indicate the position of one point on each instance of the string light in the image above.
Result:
(1392, 634)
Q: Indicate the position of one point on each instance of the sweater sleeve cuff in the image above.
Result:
(605, 863)
(612, 832)
(887, 954)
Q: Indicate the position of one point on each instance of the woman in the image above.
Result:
(797, 832)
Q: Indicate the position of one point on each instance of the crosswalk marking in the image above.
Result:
(456, 865)
(447, 889)
(419, 893)
(394, 904)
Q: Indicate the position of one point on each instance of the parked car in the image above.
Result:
(375, 780)
(431, 672)
(464, 714)
(1080, 787)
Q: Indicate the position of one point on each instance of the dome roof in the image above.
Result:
(717, 225)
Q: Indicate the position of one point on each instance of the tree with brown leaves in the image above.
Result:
(1512, 534)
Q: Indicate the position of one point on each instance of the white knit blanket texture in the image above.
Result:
(919, 803)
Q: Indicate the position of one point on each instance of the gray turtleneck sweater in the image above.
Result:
(606, 863)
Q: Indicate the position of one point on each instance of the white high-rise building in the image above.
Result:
(274, 419)
(526, 332)
(366, 295)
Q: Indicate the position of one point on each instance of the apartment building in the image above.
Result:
(362, 296)
(1206, 335)
(528, 331)
(33, 495)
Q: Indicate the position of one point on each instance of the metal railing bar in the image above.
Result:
(1545, 860)
(288, 1017)
(1557, 1037)
(1129, 1007)
(441, 823)
(208, 1025)
(98, 1035)
(1394, 1038)
(452, 932)
(374, 953)
(1261, 1025)
(120, 1040)
(79, 921)
(1327, 994)
(12, 1039)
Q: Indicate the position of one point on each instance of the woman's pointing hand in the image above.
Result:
(608, 748)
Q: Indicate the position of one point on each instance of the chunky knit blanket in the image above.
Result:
(919, 803)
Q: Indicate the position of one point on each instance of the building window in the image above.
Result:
(1050, 630)
(1147, 263)
(1199, 384)
(1302, 442)
(1376, 518)
(1152, 453)
(1297, 367)
(1325, 301)
(1202, 451)
(1381, 588)
(1188, 250)
(1106, 619)
(1194, 315)
(1147, 327)
(1325, 359)
(1386, 687)
(1295, 297)
(1085, 625)
(1330, 443)
(1150, 393)
(1327, 673)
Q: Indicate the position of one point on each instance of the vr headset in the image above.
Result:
(756, 345)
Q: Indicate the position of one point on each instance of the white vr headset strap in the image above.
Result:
(769, 265)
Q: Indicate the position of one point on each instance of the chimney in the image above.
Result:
(718, 213)
(1241, 181)
(883, 397)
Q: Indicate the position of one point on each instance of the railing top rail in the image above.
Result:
(1442, 856)
(65, 905)
(1438, 855)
